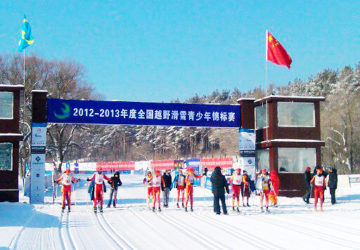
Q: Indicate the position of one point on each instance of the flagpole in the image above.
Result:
(266, 82)
(24, 67)
(24, 103)
(266, 64)
(24, 82)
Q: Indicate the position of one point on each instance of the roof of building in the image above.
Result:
(11, 87)
(290, 98)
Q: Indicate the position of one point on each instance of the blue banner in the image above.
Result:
(142, 113)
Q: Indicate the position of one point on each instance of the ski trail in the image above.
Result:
(153, 227)
(59, 231)
(68, 242)
(16, 239)
(344, 228)
(69, 231)
(246, 236)
(312, 232)
(101, 229)
(143, 220)
(154, 224)
(107, 231)
(116, 236)
(206, 241)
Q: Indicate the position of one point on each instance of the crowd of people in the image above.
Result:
(242, 185)
(183, 183)
(317, 182)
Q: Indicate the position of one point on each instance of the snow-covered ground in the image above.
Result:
(292, 225)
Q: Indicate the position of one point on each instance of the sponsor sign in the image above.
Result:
(247, 142)
(116, 165)
(211, 163)
(162, 165)
(37, 169)
(248, 164)
(37, 179)
(38, 136)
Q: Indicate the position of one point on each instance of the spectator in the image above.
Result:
(219, 185)
(245, 188)
(167, 187)
(307, 178)
(114, 183)
(332, 183)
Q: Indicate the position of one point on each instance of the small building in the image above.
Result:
(288, 137)
(10, 138)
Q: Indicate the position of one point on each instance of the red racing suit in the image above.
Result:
(319, 185)
(236, 180)
(98, 187)
(157, 182)
(66, 188)
(266, 186)
(189, 181)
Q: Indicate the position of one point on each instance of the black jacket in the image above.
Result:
(308, 176)
(115, 181)
(167, 180)
(333, 179)
(219, 183)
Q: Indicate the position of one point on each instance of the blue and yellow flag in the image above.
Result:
(26, 38)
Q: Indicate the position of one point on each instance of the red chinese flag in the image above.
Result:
(275, 52)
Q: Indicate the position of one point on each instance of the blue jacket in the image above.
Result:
(175, 182)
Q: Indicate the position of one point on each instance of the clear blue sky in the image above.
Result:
(163, 50)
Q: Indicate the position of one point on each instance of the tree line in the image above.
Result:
(340, 119)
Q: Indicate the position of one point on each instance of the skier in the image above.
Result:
(325, 174)
(179, 181)
(189, 182)
(236, 180)
(148, 181)
(98, 192)
(319, 183)
(167, 187)
(91, 189)
(157, 183)
(275, 181)
(115, 183)
(245, 188)
(66, 180)
(264, 186)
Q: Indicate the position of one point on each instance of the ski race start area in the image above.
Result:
(131, 225)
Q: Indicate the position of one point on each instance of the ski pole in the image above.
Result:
(74, 194)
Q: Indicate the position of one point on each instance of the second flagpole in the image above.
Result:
(266, 81)
(266, 64)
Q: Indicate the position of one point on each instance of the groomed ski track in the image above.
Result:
(131, 225)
